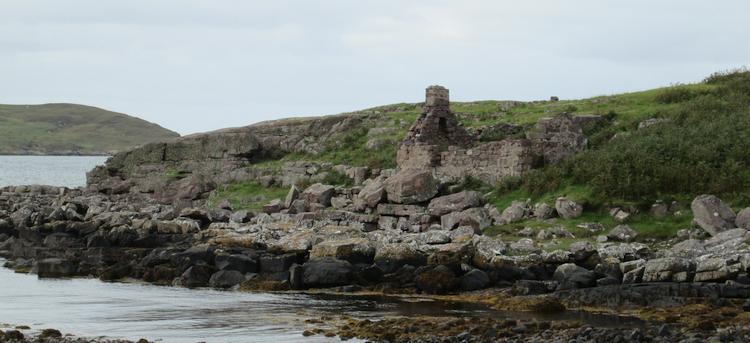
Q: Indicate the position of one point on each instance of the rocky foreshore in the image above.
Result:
(406, 249)
(25, 334)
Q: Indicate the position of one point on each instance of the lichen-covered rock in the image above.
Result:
(515, 212)
(477, 218)
(712, 214)
(318, 194)
(411, 186)
(667, 269)
(393, 256)
(622, 233)
(568, 209)
(354, 250)
(455, 202)
(371, 194)
(543, 211)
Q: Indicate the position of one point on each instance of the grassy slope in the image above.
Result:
(70, 128)
(701, 149)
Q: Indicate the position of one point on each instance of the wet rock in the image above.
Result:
(411, 186)
(50, 334)
(712, 214)
(318, 194)
(226, 279)
(437, 280)
(456, 202)
(568, 209)
(276, 263)
(237, 262)
(474, 279)
(55, 268)
(571, 276)
(197, 276)
(354, 250)
(326, 273)
(533, 287)
(622, 233)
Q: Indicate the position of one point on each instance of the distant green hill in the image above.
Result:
(70, 129)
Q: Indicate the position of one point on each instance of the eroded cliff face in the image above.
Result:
(189, 167)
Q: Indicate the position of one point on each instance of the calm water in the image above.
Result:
(68, 171)
(88, 307)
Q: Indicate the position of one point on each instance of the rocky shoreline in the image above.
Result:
(25, 334)
(58, 232)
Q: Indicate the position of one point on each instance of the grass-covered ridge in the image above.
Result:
(72, 129)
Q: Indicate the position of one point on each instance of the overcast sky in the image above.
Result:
(193, 65)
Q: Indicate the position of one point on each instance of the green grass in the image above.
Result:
(248, 195)
(72, 129)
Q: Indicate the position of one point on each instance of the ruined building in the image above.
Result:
(439, 143)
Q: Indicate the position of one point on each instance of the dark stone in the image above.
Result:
(326, 273)
(474, 280)
(437, 280)
(56, 267)
(197, 276)
(296, 274)
(13, 335)
(50, 333)
(226, 279)
(116, 272)
(277, 263)
(238, 262)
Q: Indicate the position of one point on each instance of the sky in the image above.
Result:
(201, 65)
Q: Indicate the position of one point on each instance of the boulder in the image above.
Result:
(318, 194)
(411, 186)
(437, 280)
(237, 262)
(622, 233)
(543, 211)
(272, 207)
(241, 217)
(477, 217)
(270, 264)
(712, 214)
(55, 268)
(434, 237)
(391, 257)
(371, 194)
(667, 269)
(743, 219)
(340, 202)
(568, 209)
(399, 210)
(474, 279)
(571, 276)
(455, 203)
(581, 250)
(353, 250)
(326, 273)
(713, 269)
(621, 216)
(515, 212)
(659, 210)
(197, 276)
(226, 279)
(291, 196)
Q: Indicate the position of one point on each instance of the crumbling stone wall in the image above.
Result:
(490, 162)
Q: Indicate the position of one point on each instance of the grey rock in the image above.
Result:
(543, 211)
(712, 214)
(326, 273)
(622, 233)
(571, 276)
(241, 217)
(515, 212)
(411, 186)
(474, 280)
(455, 203)
(667, 269)
(241, 263)
(568, 209)
(477, 217)
(354, 250)
(743, 219)
(371, 194)
(291, 196)
(393, 256)
(226, 279)
(318, 194)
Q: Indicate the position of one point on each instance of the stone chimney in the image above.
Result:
(437, 96)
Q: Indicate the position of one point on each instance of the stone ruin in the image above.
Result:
(437, 142)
